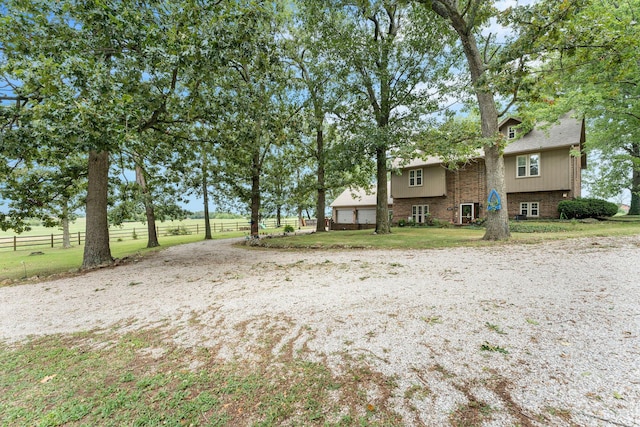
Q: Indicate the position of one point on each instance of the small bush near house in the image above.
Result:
(586, 208)
(402, 223)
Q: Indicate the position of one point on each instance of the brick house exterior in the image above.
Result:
(542, 168)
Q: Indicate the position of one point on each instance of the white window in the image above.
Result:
(415, 178)
(511, 132)
(419, 213)
(528, 165)
(530, 209)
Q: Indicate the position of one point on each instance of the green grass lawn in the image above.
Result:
(21, 264)
(16, 265)
(111, 379)
(432, 237)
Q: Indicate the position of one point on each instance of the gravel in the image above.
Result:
(541, 334)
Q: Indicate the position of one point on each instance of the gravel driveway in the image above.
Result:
(543, 334)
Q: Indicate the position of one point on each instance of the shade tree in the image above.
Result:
(590, 65)
(396, 58)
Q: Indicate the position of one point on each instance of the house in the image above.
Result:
(355, 209)
(542, 168)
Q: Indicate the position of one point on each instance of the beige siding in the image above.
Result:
(555, 173)
(433, 183)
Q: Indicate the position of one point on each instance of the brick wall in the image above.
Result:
(337, 226)
(548, 202)
(468, 185)
(463, 186)
(402, 208)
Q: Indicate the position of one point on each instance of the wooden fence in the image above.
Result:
(55, 240)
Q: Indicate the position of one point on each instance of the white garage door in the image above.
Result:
(366, 216)
(344, 216)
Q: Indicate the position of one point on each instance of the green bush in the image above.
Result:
(289, 228)
(178, 231)
(586, 208)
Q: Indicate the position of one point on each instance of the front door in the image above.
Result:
(467, 213)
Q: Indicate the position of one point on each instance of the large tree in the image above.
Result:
(260, 107)
(592, 66)
(498, 71)
(63, 58)
(396, 55)
(467, 19)
(101, 76)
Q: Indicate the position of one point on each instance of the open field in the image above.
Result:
(79, 224)
(42, 236)
(212, 333)
(43, 260)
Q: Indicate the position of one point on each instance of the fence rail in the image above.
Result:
(118, 234)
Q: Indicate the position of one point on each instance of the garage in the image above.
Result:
(366, 216)
(344, 216)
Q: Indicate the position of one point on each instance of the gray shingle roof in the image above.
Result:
(567, 132)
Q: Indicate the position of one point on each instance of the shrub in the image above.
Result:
(178, 231)
(402, 223)
(289, 228)
(586, 208)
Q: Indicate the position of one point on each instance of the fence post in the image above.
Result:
(79, 243)
(52, 240)
(197, 229)
(15, 243)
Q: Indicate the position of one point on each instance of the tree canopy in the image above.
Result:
(275, 104)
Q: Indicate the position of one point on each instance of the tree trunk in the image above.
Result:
(497, 224)
(152, 235)
(278, 216)
(300, 219)
(322, 192)
(382, 198)
(152, 240)
(255, 195)
(634, 207)
(205, 201)
(96, 248)
(66, 236)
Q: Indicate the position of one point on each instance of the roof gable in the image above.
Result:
(509, 121)
(359, 197)
(567, 132)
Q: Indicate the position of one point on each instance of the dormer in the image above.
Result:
(509, 127)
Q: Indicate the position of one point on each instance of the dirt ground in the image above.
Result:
(544, 334)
